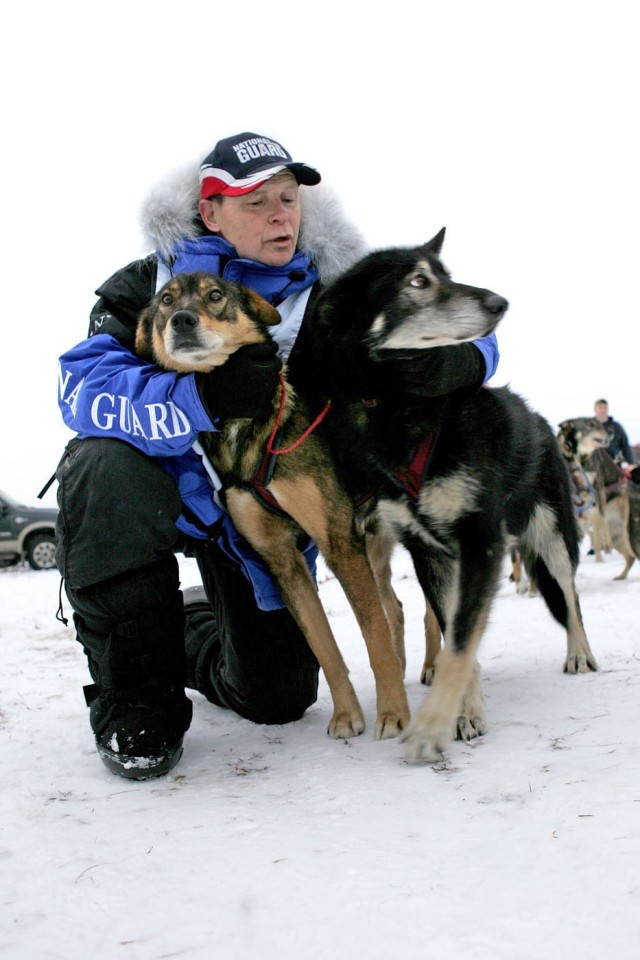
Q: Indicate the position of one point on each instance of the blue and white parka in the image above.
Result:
(106, 391)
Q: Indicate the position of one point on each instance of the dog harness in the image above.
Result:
(580, 505)
(411, 479)
(622, 482)
(258, 485)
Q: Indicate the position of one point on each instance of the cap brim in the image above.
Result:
(304, 174)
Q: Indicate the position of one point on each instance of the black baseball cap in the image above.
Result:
(240, 164)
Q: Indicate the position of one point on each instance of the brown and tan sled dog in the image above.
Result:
(608, 506)
(195, 322)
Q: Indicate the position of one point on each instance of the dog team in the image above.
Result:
(260, 389)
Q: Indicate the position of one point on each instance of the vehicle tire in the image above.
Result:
(41, 551)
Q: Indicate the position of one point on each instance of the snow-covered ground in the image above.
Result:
(276, 842)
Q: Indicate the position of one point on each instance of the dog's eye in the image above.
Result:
(215, 295)
(167, 298)
(419, 280)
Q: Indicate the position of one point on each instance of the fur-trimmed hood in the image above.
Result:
(170, 213)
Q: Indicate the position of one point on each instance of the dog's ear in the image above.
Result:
(435, 244)
(143, 343)
(569, 433)
(261, 308)
(567, 438)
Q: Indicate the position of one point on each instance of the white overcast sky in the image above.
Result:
(512, 124)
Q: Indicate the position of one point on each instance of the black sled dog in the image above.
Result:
(459, 478)
(276, 486)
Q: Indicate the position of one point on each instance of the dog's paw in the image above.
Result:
(426, 742)
(427, 675)
(580, 663)
(471, 722)
(344, 726)
(420, 747)
(469, 727)
(390, 724)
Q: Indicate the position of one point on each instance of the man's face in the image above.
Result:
(262, 225)
(602, 411)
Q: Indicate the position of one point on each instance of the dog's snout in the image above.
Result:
(184, 320)
(495, 304)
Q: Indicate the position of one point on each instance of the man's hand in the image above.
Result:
(434, 372)
(244, 386)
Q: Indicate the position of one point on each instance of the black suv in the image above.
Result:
(27, 533)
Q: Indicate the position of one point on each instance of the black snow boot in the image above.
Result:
(201, 642)
(139, 712)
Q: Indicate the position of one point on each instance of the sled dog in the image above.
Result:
(578, 438)
(273, 493)
(457, 479)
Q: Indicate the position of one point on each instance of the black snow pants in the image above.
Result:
(116, 550)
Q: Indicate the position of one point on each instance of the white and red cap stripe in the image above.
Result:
(239, 164)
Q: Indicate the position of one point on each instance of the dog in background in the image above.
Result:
(518, 575)
(577, 439)
(619, 501)
(607, 504)
(490, 468)
(195, 322)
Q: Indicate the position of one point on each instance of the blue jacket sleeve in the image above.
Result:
(488, 347)
(104, 390)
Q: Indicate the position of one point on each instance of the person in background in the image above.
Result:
(134, 491)
(619, 446)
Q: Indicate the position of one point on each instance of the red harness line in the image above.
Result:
(276, 427)
(622, 482)
(410, 479)
(258, 486)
